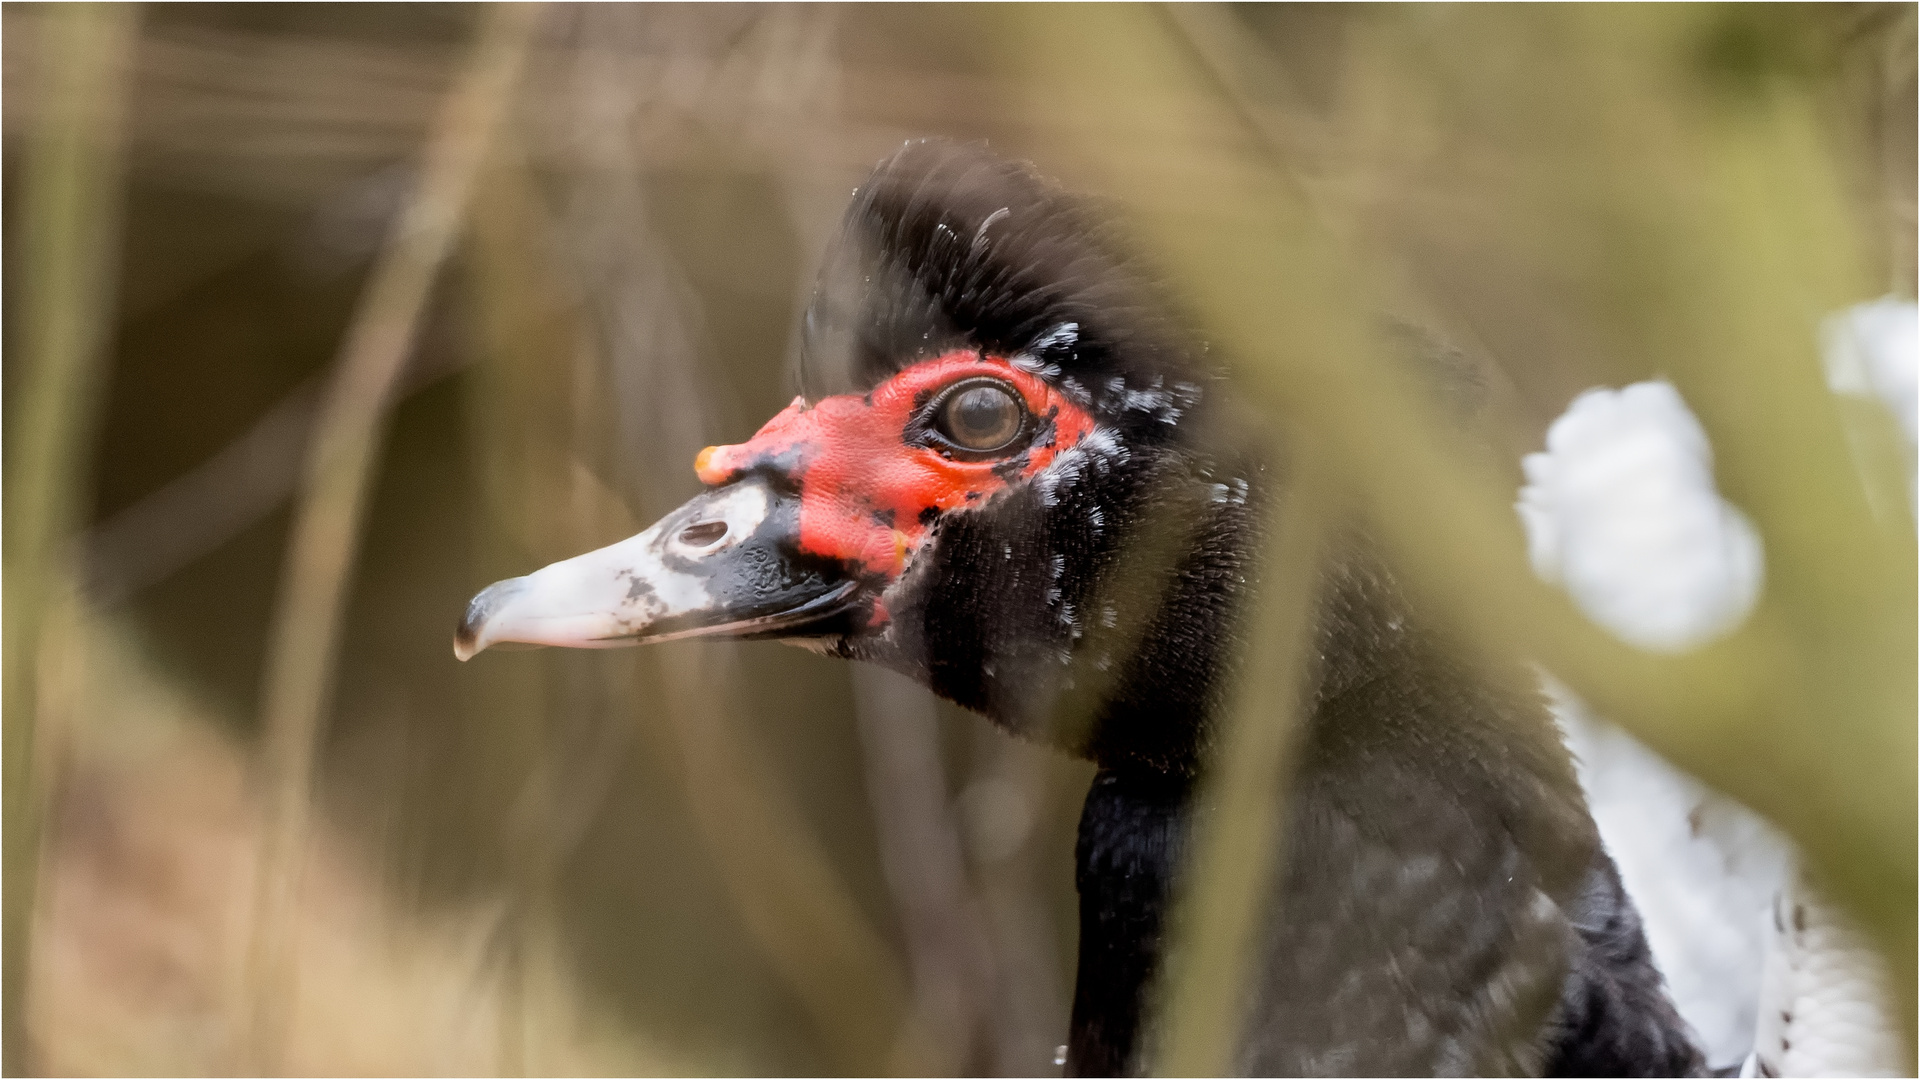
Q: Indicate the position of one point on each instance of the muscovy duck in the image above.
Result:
(1014, 475)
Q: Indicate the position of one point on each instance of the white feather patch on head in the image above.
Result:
(1098, 450)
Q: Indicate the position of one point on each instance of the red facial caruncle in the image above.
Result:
(871, 483)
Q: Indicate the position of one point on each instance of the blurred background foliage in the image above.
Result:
(742, 858)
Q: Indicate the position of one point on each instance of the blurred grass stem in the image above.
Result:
(783, 885)
(542, 373)
(339, 470)
(1824, 748)
(71, 214)
(231, 491)
(920, 852)
(1238, 829)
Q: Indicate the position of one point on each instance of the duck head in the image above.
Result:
(996, 411)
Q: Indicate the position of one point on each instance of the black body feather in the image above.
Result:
(1443, 905)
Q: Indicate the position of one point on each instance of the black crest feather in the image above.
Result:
(947, 246)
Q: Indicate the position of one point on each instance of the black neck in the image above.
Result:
(1133, 827)
(1159, 712)
(1389, 711)
(1132, 842)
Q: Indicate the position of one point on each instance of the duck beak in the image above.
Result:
(725, 564)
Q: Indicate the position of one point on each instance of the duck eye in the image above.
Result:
(982, 417)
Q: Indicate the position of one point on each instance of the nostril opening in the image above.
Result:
(707, 532)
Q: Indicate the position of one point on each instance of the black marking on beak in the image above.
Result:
(726, 564)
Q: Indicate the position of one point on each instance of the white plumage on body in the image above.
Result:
(1621, 511)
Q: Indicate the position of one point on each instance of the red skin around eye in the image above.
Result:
(864, 489)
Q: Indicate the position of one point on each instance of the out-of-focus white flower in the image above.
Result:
(1621, 510)
(1872, 353)
(1873, 349)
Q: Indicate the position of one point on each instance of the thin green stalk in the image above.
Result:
(784, 888)
(1717, 269)
(795, 907)
(71, 219)
(514, 396)
(340, 464)
(1238, 833)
